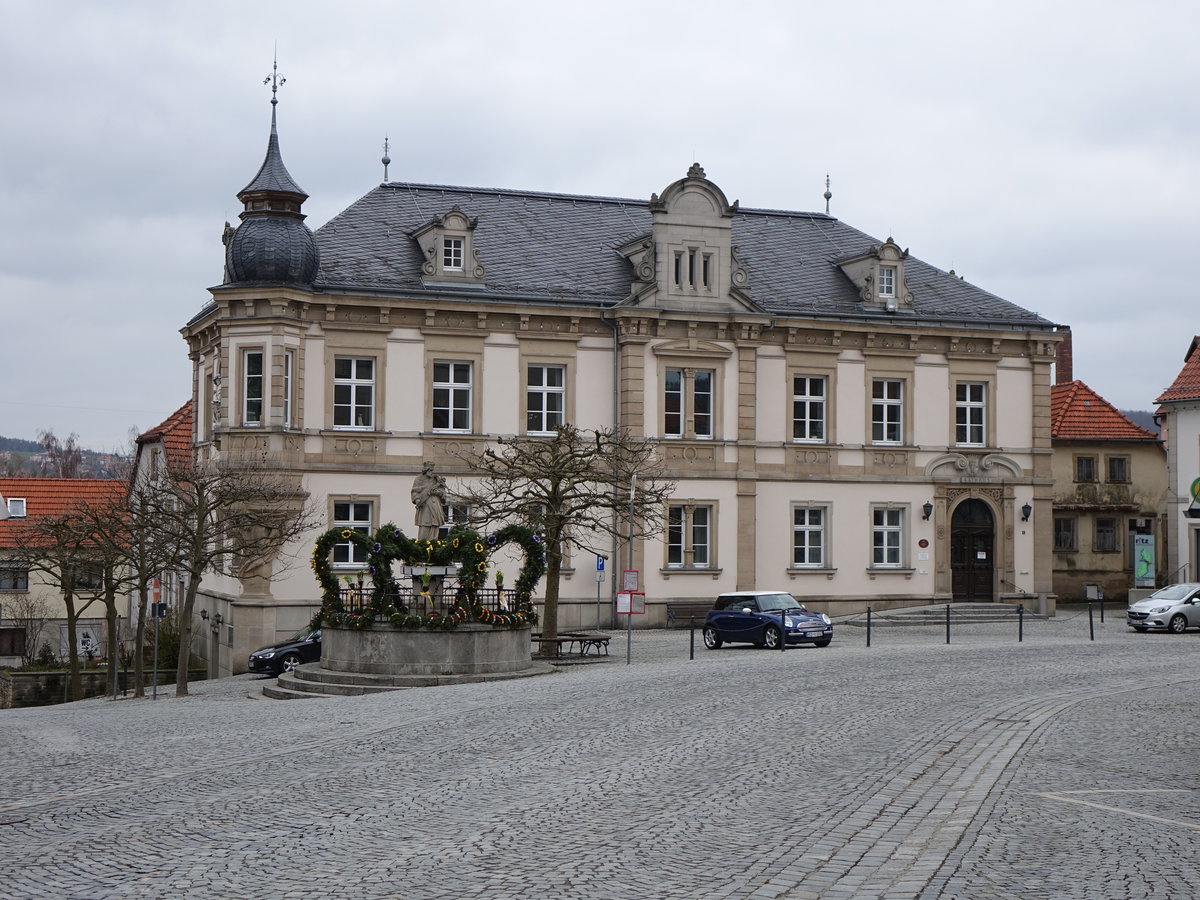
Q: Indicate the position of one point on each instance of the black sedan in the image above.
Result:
(303, 646)
(762, 618)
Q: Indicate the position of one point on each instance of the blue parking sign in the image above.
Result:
(599, 563)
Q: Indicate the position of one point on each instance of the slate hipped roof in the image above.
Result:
(1077, 413)
(1186, 385)
(562, 248)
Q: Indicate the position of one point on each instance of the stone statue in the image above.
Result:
(429, 497)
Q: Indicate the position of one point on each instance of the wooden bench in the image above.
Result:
(583, 640)
(685, 610)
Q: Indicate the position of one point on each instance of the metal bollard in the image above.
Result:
(947, 623)
(1091, 623)
(692, 640)
(1020, 623)
(868, 626)
(783, 629)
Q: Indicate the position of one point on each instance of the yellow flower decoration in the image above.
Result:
(479, 548)
(347, 533)
(482, 567)
(456, 543)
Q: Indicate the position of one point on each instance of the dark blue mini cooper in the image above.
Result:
(753, 617)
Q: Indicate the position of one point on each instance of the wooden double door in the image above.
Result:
(972, 552)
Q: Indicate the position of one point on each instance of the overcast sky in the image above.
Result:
(1045, 151)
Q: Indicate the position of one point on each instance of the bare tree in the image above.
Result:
(64, 459)
(32, 613)
(223, 517)
(572, 487)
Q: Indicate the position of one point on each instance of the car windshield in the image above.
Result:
(301, 635)
(1174, 592)
(777, 602)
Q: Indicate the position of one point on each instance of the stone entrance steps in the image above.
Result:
(960, 614)
(310, 682)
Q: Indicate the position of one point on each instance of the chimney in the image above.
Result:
(1063, 373)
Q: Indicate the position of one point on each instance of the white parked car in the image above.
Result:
(1175, 608)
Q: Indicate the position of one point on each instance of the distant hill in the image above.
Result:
(19, 445)
(1143, 417)
(19, 457)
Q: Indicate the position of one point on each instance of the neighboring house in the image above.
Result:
(1179, 413)
(28, 596)
(845, 421)
(160, 449)
(1110, 487)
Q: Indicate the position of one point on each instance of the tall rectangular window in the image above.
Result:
(887, 537)
(1118, 469)
(354, 516)
(689, 537)
(689, 403)
(1085, 468)
(289, 362)
(969, 413)
(887, 411)
(452, 396)
(452, 254)
(808, 408)
(353, 392)
(252, 387)
(887, 281)
(14, 577)
(545, 399)
(1064, 534)
(808, 537)
(1106, 534)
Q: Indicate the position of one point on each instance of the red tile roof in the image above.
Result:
(175, 434)
(1186, 385)
(1077, 413)
(54, 497)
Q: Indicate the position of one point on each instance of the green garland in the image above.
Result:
(462, 546)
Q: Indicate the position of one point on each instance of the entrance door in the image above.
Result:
(972, 540)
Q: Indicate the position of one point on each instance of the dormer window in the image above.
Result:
(878, 274)
(452, 254)
(447, 244)
(16, 507)
(887, 281)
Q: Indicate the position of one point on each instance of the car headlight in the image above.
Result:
(1159, 609)
(264, 654)
(826, 619)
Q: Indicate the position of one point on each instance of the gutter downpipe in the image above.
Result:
(614, 548)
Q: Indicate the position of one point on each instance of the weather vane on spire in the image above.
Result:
(275, 80)
(387, 160)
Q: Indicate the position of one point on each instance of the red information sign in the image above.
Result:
(629, 580)
(631, 603)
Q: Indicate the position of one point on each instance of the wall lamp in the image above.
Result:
(204, 614)
(927, 510)
(1026, 512)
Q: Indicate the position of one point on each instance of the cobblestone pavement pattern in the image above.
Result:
(1053, 768)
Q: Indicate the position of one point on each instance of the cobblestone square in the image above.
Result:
(1057, 767)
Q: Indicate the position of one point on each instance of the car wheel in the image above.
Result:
(771, 637)
(712, 638)
(289, 663)
(1178, 624)
(823, 642)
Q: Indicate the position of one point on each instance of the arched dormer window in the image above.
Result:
(879, 276)
(447, 244)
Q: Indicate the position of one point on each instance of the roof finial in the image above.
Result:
(387, 161)
(275, 80)
(828, 195)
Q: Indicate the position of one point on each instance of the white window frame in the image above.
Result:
(540, 396)
(887, 410)
(887, 537)
(289, 367)
(810, 409)
(357, 515)
(809, 521)
(887, 281)
(355, 384)
(253, 383)
(970, 413)
(453, 394)
(453, 254)
(456, 514)
(689, 536)
(696, 395)
(16, 507)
